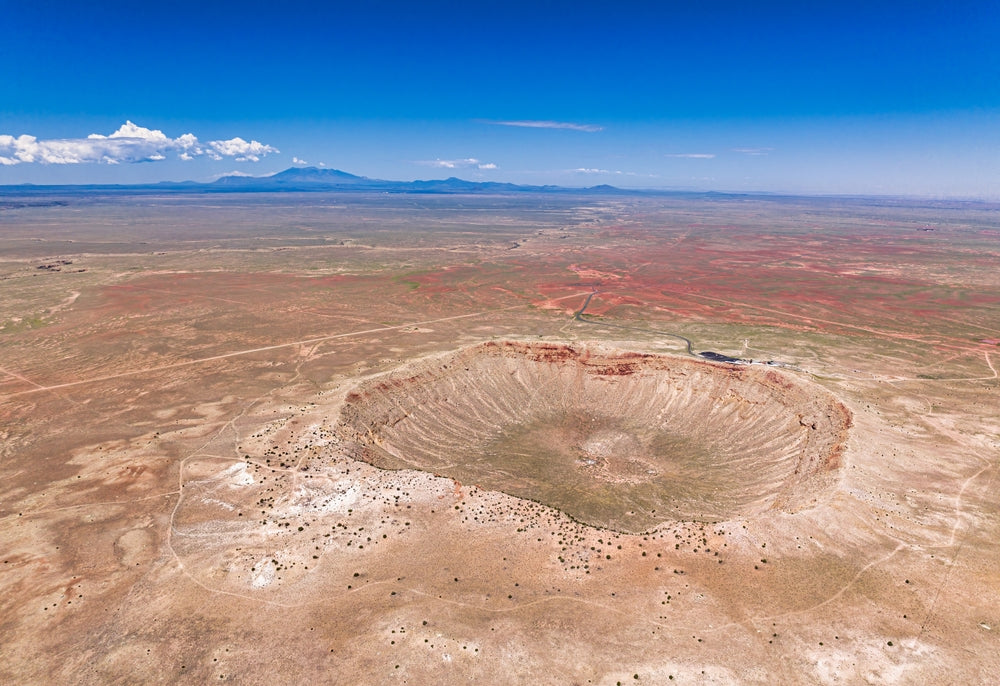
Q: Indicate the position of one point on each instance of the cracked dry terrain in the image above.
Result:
(362, 439)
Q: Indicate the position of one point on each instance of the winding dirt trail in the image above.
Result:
(278, 346)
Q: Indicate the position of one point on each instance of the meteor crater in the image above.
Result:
(615, 439)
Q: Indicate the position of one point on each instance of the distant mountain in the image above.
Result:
(456, 185)
(317, 175)
(294, 177)
(304, 179)
(315, 179)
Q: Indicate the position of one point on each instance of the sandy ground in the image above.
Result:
(181, 503)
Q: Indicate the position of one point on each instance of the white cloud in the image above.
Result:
(130, 130)
(130, 143)
(466, 163)
(753, 151)
(243, 151)
(546, 124)
(296, 160)
(187, 141)
(693, 155)
(613, 172)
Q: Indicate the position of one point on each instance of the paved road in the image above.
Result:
(705, 355)
(578, 316)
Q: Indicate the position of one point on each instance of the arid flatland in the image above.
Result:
(361, 438)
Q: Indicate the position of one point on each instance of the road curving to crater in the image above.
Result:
(578, 316)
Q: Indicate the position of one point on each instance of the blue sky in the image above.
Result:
(845, 97)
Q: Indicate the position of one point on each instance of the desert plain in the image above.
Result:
(413, 439)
